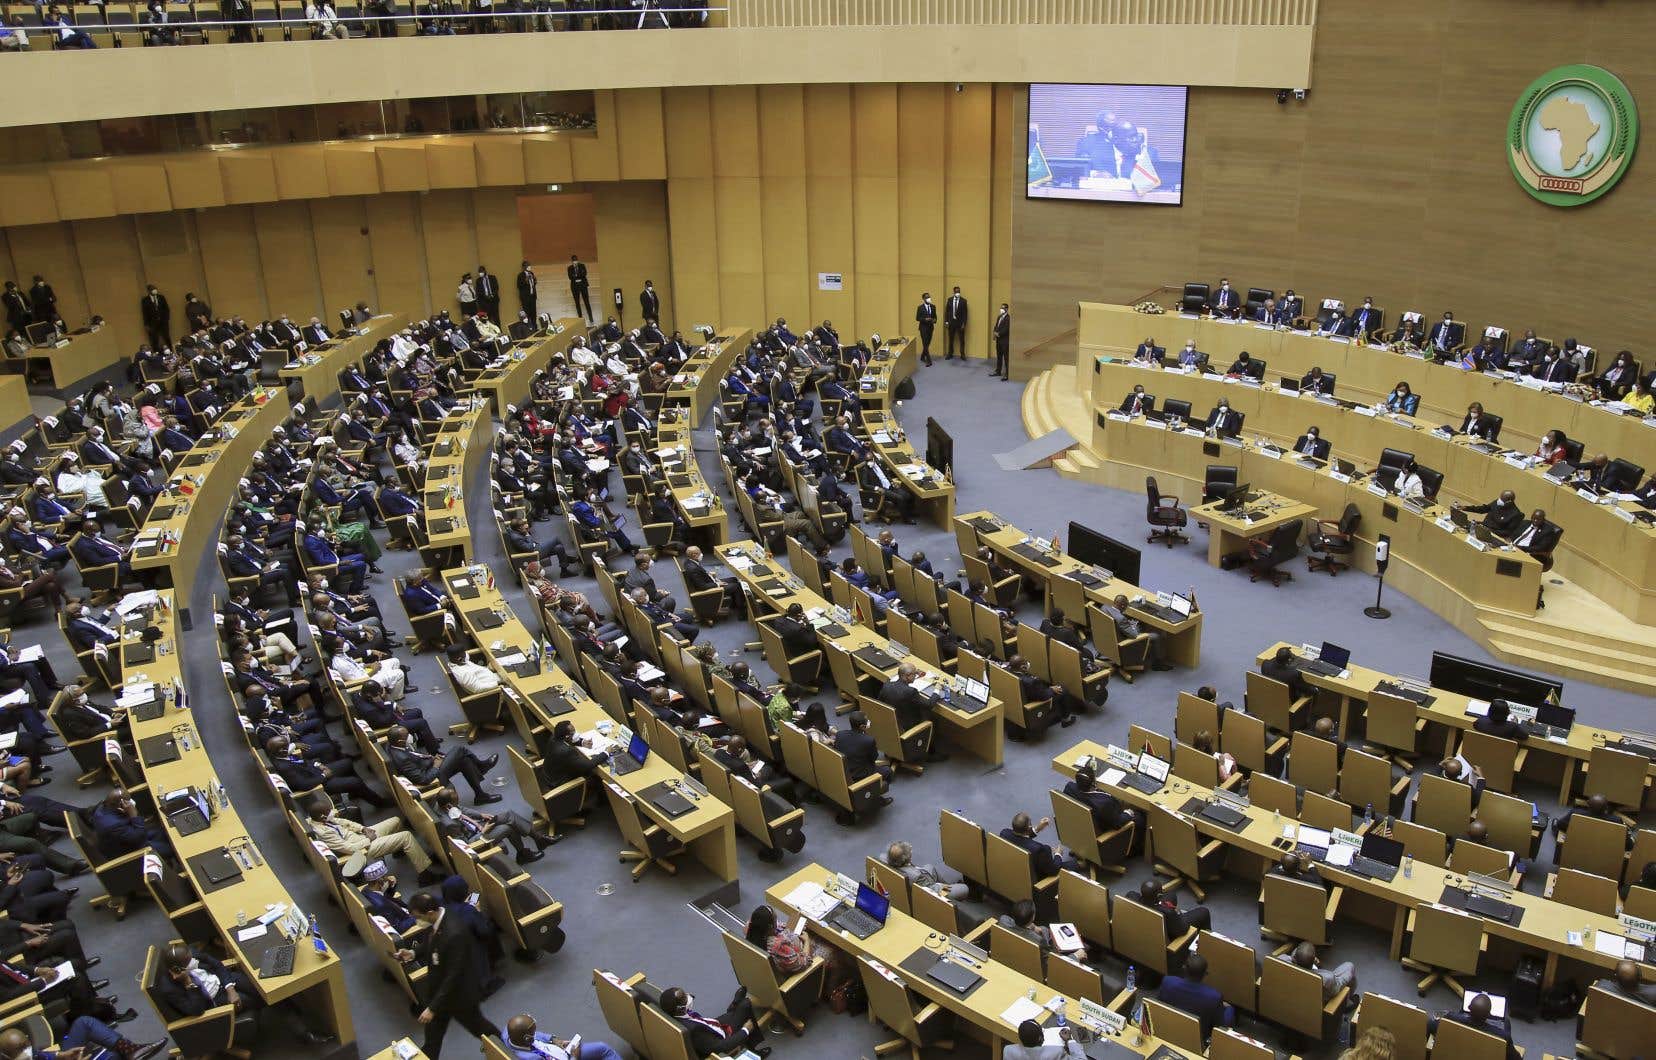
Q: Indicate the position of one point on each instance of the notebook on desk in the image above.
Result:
(149, 711)
(667, 800)
(877, 658)
(554, 704)
(484, 618)
(468, 591)
(138, 654)
(216, 866)
(957, 977)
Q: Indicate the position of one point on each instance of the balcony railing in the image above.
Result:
(755, 13)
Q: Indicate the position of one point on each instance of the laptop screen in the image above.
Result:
(1334, 655)
(639, 748)
(1553, 714)
(873, 902)
(1383, 850)
(1152, 767)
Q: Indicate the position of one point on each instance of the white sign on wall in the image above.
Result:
(830, 281)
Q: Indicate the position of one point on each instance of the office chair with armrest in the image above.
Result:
(1330, 540)
(1431, 480)
(1492, 427)
(1194, 299)
(1162, 511)
(1221, 478)
(1392, 461)
(1622, 476)
(1176, 407)
(1572, 449)
(1256, 298)
(1267, 557)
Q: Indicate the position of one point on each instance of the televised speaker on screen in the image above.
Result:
(1107, 143)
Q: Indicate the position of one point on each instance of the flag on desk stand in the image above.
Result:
(1057, 546)
(1039, 171)
(857, 611)
(1144, 176)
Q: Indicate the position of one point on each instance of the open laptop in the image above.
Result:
(1551, 722)
(1149, 774)
(638, 749)
(1223, 812)
(1330, 662)
(1378, 858)
(864, 918)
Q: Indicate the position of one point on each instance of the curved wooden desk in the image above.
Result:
(509, 383)
(1366, 373)
(1604, 549)
(321, 978)
(709, 830)
(934, 492)
(317, 369)
(693, 390)
(200, 490)
(448, 536)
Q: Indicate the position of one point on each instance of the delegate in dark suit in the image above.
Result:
(458, 966)
(1502, 516)
(157, 318)
(1003, 343)
(527, 284)
(578, 287)
(954, 325)
(925, 318)
(912, 708)
(1312, 446)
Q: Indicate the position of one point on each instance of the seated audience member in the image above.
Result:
(1284, 667)
(1312, 444)
(1475, 423)
(1188, 993)
(346, 838)
(194, 981)
(1551, 449)
(1020, 920)
(1501, 516)
(1031, 1045)
(1625, 981)
(524, 1042)
(1334, 980)
(507, 826)
(422, 768)
(1499, 722)
(1178, 921)
(85, 1033)
(900, 856)
(734, 1029)
(862, 755)
(1445, 336)
(1477, 1015)
(1314, 382)
(1045, 859)
(1539, 537)
(1402, 400)
(1108, 812)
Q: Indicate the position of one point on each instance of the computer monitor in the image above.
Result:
(1237, 497)
(1454, 673)
(1379, 848)
(639, 748)
(1553, 714)
(1334, 655)
(1095, 549)
(873, 903)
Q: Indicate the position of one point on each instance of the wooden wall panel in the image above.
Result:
(114, 278)
(830, 205)
(26, 197)
(922, 145)
(598, 157)
(171, 254)
(689, 132)
(877, 219)
(344, 256)
(735, 131)
(968, 189)
(248, 178)
(82, 192)
(140, 187)
(402, 168)
(351, 170)
(631, 219)
(642, 148)
(451, 165)
(230, 258)
(194, 180)
(695, 249)
(394, 238)
(302, 172)
(499, 242)
(49, 251)
(287, 252)
(546, 160)
(450, 248)
(500, 161)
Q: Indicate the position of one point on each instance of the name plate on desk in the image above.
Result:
(1475, 543)
(1377, 489)
(1116, 414)
(1160, 425)
(1194, 432)
(1338, 477)
(1444, 524)
(1274, 454)
(1623, 514)
(1519, 462)
(1587, 495)
(1363, 410)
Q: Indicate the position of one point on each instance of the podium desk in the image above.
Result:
(771, 585)
(85, 353)
(1257, 517)
(1062, 574)
(317, 369)
(200, 489)
(320, 978)
(708, 830)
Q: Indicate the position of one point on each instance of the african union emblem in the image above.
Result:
(1572, 134)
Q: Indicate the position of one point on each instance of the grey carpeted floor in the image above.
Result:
(647, 926)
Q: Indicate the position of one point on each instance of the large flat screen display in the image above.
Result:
(1107, 143)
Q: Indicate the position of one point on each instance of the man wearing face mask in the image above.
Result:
(86, 1039)
(1501, 516)
(1223, 421)
(1225, 301)
(193, 982)
(728, 1034)
(422, 769)
(157, 317)
(1366, 321)
(525, 1043)
(1312, 444)
(1190, 356)
(457, 969)
(1445, 336)
(506, 826)
(925, 318)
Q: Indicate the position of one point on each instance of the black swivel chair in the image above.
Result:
(1176, 407)
(1331, 540)
(1266, 557)
(1392, 461)
(1162, 511)
(1492, 427)
(1430, 481)
(1622, 476)
(1256, 298)
(1221, 479)
(1195, 298)
(1572, 450)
